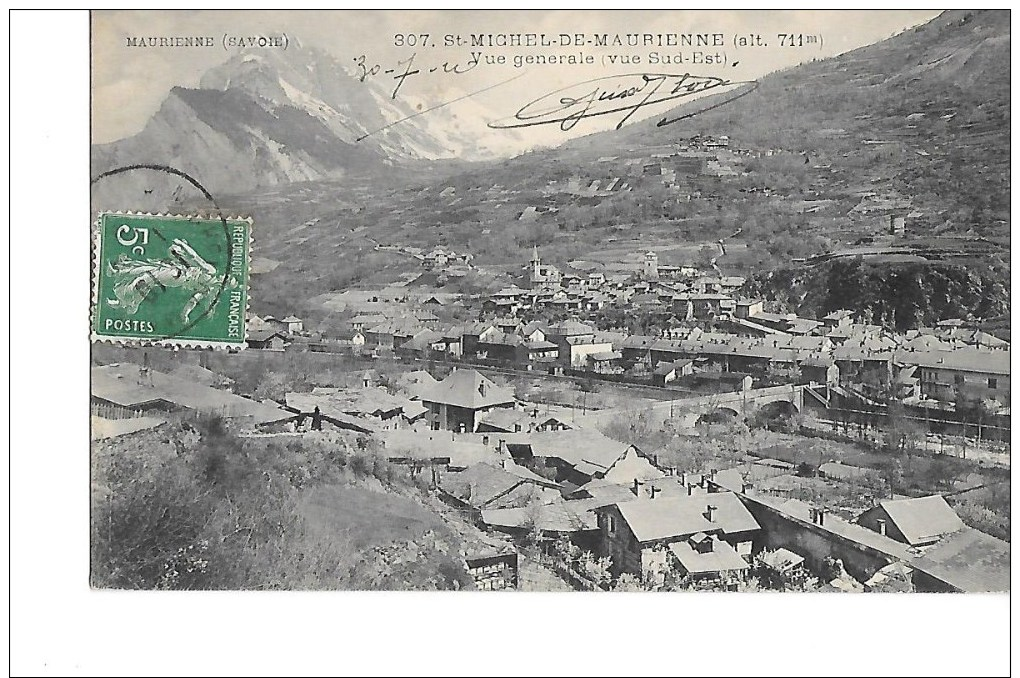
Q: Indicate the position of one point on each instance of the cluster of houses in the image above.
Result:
(272, 333)
(440, 257)
(516, 469)
(932, 367)
(662, 526)
(677, 290)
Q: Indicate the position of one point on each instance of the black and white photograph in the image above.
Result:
(710, 305)
(586, 311)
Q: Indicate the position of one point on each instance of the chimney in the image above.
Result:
(712, 474)
(881, 527)
(502, 464)
(637, 488)
(702, 483)
(821, 516)
(690, 490)
(683, 477)
(710, 513)
(485, 440)
(652, 490)
(745, 487)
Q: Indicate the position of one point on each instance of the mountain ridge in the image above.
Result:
(285, 118)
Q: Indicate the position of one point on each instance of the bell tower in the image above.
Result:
(651, 266)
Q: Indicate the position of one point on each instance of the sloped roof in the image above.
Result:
(606, 493)
(721, 558)
(101, 428)
(307, 402)
(505, 419)
(403, 327)
(462, 450)
(372, 400)
(605, 355)
(422, 340)
(123, 384)
(527, 474)
(963, 359)
(664, 368)
(667, 517)
(502, 338)
(569, 328)
(970, 561)
(560, 516)
(263, 335)
(895, 577)
(417, 381)
(922, 519)
(577, 445)
(927, 342)
(414, 409)
(794, 508)
(480, 484)
(468, 389)
(532, 326)
(781, 559)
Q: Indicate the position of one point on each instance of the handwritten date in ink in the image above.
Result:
(403, 69)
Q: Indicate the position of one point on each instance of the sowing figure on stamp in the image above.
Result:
(134, 279)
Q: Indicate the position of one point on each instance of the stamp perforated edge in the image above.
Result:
(184, 342)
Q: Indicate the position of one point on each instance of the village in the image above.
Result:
(733, 449)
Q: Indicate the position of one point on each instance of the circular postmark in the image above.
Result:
(183, 264)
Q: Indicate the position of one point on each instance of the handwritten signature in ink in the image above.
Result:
(625, 94)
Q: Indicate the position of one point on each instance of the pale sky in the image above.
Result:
(130, 83)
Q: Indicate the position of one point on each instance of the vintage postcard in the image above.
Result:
(551, 301)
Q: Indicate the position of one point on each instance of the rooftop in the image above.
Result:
(922, 519)
(961, 359)
(970, 561)
(481, 484)
(111, 428)
(462, 450)
(560, 516)
(666, 517)
(124, 384)
(576, 446)
(781, 559)
(721, 558)
(468, 389)
(569, 328)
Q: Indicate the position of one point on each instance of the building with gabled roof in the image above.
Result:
(488, 486)
(917, 522)
(392, 333)
(266, 339)
(577, 456)
(637, 535)
(967, 372)
(124, 390)
(455, 402)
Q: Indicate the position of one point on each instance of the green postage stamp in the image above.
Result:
(171, 280)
